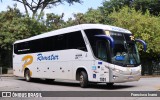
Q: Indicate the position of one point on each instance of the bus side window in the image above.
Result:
(76, 41)
(60, 42)
(22, 48)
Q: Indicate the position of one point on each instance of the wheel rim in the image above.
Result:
(81, 80)
(27, 76)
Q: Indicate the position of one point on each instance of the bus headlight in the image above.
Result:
(117, 70)
(114, 76)
(139, 70)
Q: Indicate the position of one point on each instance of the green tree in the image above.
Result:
(54, 21)
(91, 16)
(110, 5)
(144, 26)
(35, 5)
(79, 18)
(152, 5)
(94, 16)
(70, 22)
(14, 26)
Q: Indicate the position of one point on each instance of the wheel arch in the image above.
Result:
(25, 71)
(78, 72)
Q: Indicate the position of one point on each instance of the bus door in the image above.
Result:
(103, 54)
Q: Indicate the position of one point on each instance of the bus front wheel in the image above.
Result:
(49, 80)
(110, 84)
(83, 79)
(27, 75)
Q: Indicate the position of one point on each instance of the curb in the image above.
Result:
(11, 75)
(153, 76)
(6, 75)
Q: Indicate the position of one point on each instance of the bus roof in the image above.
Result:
(76, 28)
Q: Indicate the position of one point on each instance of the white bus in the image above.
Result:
(86, 53)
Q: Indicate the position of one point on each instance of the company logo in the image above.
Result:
(28, 59)
(22, 94)
(6, 94)
(41, 57)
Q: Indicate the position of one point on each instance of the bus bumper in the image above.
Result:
(119, 78)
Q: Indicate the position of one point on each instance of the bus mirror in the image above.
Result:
(143, 43)
(109, 38)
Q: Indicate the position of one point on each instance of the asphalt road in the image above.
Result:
(19, 84)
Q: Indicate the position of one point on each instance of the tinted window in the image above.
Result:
(21, 47)
(102, 49)
(76, 41)
(41, 45)
(93, 40)
(60, 42)
(72, 40)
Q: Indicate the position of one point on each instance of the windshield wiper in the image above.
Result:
(135, 58)
(130, 52)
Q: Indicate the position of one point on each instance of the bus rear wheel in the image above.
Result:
(83, 79)
(27, 75)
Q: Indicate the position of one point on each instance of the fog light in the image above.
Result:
(114, 76)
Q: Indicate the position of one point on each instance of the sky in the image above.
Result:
(65, 8)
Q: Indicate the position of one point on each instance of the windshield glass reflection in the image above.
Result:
(125, 51)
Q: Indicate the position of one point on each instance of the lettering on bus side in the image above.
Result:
(41, 57)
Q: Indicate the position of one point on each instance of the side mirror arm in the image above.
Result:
(109, 38)
(143, 43)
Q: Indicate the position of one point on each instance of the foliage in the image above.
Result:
(35, 5)
(91, 16)
(14, 26)
(110, 5)
(138, 16)
(143, 26)
(152, 5)
(54, 21)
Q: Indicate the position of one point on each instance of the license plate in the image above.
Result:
(130, 77)
(103, 79)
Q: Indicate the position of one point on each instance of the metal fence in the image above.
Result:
(0, 71)
(152, 68)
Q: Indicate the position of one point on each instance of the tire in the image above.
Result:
(110, 84)
(49, 80)
(83, 79)
(27, 75)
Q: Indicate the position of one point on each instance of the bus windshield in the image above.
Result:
(125, 52)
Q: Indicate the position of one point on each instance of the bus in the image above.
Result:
(86, 53)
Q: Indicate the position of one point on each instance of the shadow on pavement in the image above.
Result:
(76, 84)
